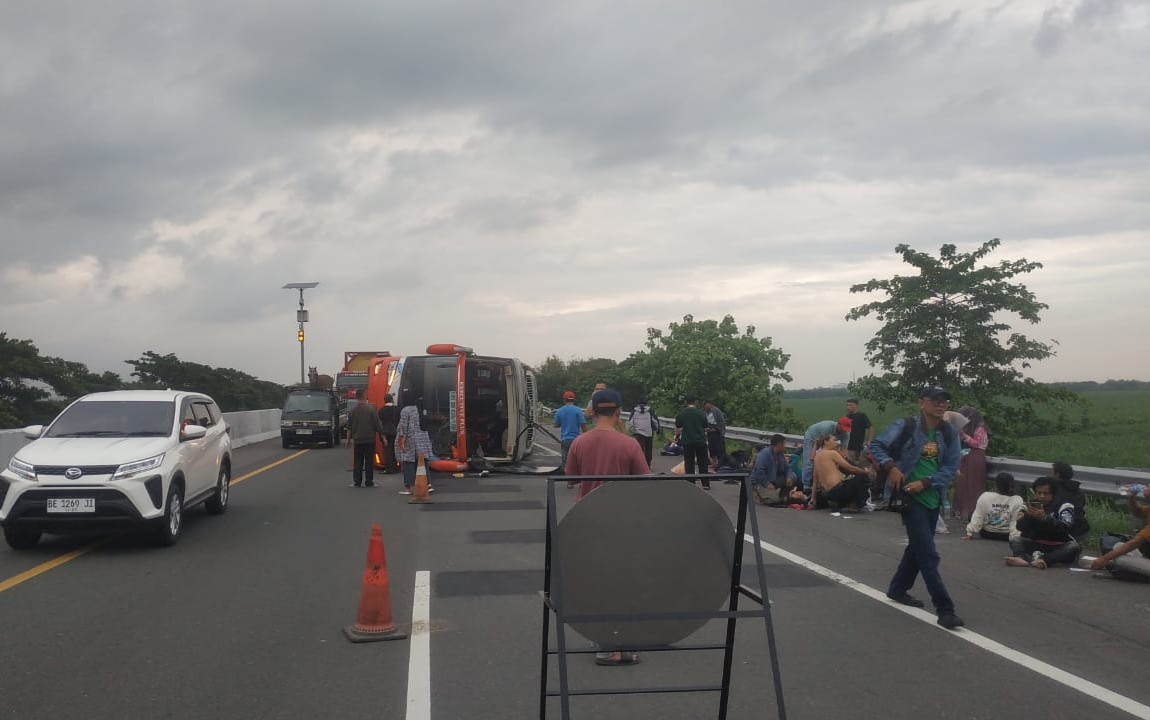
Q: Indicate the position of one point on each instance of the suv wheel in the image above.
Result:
(22, 538)
(168, 532)
(218, 502)
(285, 440)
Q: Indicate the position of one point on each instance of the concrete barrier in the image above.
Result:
(248, 426)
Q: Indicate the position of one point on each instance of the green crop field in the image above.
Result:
(1116, 433)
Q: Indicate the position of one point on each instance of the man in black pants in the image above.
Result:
(1044, 530)
(363, 425)
(691, 432)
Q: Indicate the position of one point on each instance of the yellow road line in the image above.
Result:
(70, 556)
(45, 567)
(265, 468)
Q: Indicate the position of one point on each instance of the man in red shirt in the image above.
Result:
(603, 451)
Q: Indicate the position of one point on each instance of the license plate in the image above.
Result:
(303, 432)
(71, 505)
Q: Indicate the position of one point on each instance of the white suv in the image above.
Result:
(132, 457)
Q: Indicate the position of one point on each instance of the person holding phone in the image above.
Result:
(1045, 537)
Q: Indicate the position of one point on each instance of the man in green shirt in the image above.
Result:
(921, 462)
(691, 432)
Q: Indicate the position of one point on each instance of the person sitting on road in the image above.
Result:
(832, 485)
(771, 475)
(1044, 530)
(1068, 489)
(996, 512)
(1139, 505)
(672, 447)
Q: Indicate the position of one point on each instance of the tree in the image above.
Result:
(711, 359)
(34, 388)
(554, 376)
(947, 325)
(232, 389)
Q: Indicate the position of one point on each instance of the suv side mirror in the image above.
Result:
(192, 432)
(32, 432)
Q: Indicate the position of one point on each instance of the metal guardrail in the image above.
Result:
(1094, 481)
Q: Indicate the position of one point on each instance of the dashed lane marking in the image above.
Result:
(419, 660)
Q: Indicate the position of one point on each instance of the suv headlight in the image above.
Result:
(21, 469)
(285, 424)
(324, 423)
(130, 470)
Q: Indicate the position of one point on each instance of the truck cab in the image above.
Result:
(312, 415)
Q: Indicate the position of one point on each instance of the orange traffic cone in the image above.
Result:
(420, 493)
(373, 621)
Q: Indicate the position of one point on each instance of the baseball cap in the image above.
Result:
(844, 424)
(569, 395)
(934, 392)
(606, 400)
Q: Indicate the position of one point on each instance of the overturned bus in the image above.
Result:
(477, 409)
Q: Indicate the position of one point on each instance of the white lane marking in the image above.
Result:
(549, 451)
(419, 662)
(1058, 675)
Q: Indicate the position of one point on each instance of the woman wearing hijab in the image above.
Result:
(971, 481)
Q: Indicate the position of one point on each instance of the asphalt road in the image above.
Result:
(243, 618)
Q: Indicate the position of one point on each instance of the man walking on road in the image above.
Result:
(716, 435)
(571, 423)
(363, 425)
(927, 462)
(691, 432)
(643, 424)
(604, 451)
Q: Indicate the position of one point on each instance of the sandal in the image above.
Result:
(616, 658)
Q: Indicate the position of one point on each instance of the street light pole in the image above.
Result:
(301, 317)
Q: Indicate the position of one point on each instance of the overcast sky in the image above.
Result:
(534, 178)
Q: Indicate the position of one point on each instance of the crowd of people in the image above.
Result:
(930, 467)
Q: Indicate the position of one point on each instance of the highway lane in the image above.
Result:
(242, 619)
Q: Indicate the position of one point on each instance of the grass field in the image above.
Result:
(1117, 430)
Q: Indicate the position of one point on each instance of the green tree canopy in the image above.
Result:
(949, 324)
(232, 389)
(715, 361)
(34, 388)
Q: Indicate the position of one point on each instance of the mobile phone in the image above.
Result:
(1035, 504)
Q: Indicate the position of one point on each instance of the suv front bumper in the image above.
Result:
(128, 502)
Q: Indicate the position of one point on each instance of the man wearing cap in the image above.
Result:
(604, 451)
(926, 464)
(571, 423)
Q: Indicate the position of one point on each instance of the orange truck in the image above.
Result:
(475, 406)
(353, 377)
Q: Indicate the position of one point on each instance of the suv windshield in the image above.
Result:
(308, 402)
(102, 418)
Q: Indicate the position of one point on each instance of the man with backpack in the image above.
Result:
(920, 464)
(644, 424)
